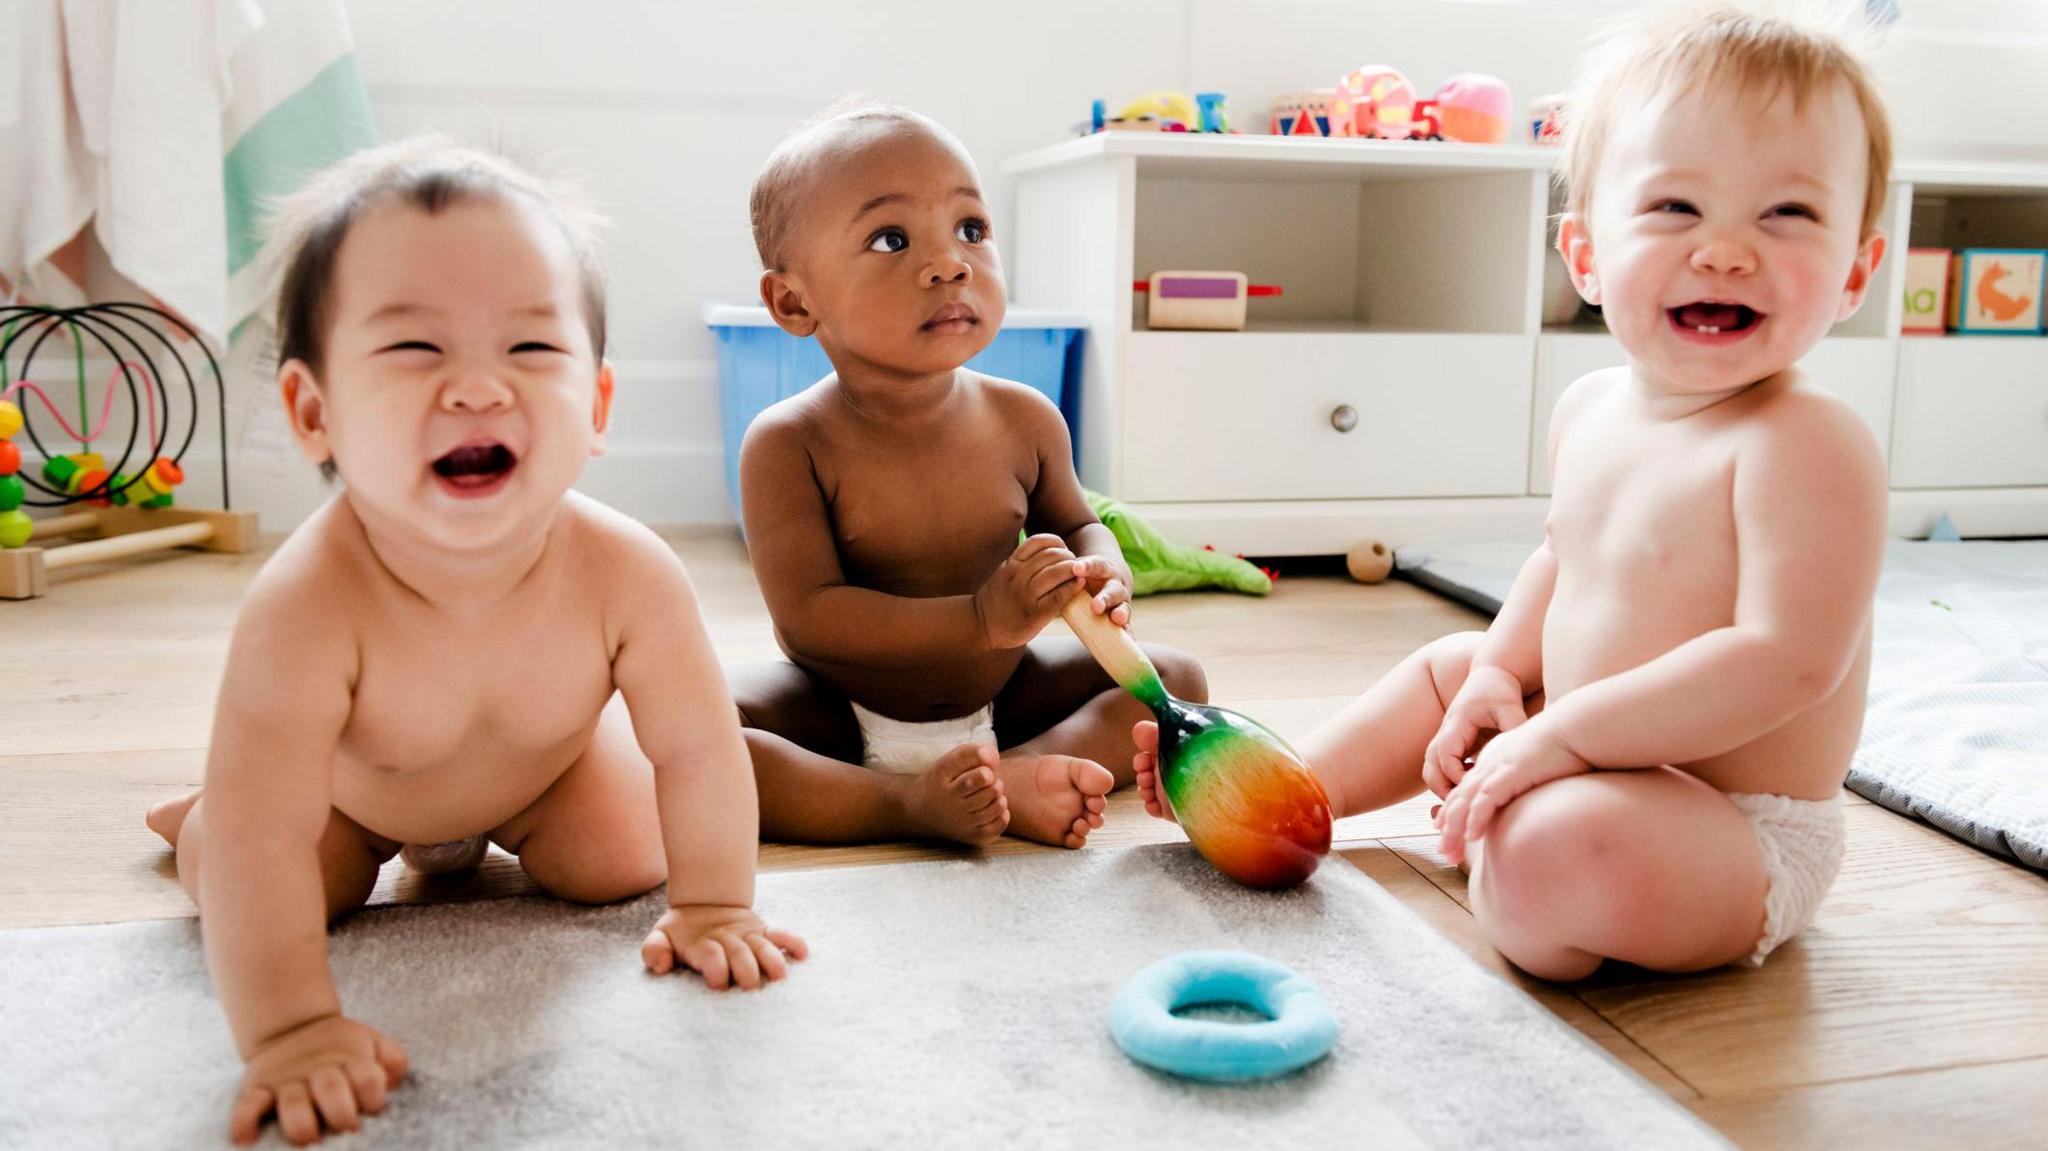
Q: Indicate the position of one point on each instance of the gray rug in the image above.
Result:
(1957, 728)
(950, 1004)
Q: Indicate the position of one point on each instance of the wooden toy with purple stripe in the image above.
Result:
(1246, 801)
(1208, 300)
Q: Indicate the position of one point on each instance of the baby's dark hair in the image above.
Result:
(429, 173)
(778, 189)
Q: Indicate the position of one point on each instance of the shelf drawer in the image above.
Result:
(1973, 412)
(1249, 415)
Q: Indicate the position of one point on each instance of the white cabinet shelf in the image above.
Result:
(1276, 416)
(1972, 413)
(1413, 277)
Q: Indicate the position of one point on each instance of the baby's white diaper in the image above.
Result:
(907, 748)
(1802, 840)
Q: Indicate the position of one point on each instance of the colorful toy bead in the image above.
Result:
(96, 478)
(167, 470)
(58, 472)
(163, 501)
(10, 419)
(15, 528)
(10, 457)
(11, 493)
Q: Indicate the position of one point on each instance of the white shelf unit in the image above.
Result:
(1413, 277)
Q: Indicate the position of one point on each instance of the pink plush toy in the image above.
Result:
(1375, 101)
(1475, 108)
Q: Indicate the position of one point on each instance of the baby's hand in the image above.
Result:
(728, 946)
(1517, 761)
(1027, 591)
(1490, 701)
(1146, 763)
(327, 1072)
(1109, 587)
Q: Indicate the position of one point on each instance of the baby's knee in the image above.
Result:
(1560, 855)
(1449, 659)
(1180, 672)
(1537, 849)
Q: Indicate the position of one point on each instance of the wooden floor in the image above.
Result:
(1914, 1013)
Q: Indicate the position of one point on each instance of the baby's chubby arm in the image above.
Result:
(1508, 667)
(684, 719)
(1060, 506)
(1809, 502)
(283, 703)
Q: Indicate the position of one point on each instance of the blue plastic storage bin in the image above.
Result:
(759, 364)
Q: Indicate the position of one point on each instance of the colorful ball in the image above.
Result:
(10, 457)
(10, 419)
(1373, 101)
(15, 528)
(11, 493)
(1475, 108)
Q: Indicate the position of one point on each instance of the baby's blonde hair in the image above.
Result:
(1671, 50)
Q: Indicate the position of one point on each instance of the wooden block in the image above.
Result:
(1205, 300)
(1926, 290)
(23, 574)
(1997, 290)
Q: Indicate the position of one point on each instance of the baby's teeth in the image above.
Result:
(1708, 329)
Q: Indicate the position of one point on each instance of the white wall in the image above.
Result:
(669, 109)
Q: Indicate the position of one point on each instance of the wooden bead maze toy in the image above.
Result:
(125, 507)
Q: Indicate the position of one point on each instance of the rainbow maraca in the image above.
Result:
(1246, 801)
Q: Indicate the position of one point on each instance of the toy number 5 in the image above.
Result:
(1423, 124)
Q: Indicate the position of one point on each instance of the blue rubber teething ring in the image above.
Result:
(1297, 1031)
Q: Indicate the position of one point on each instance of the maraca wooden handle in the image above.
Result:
(1113, 647)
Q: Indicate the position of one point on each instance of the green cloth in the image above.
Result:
(1159, 565)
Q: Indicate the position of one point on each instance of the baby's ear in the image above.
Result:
(305, 405)
(601, 407)
(1868, 257)
(1575, 244)
(785, 299)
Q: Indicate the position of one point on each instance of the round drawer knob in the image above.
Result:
(1344, 417)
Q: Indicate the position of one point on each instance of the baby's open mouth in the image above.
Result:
(475, 466)
(1715, 317)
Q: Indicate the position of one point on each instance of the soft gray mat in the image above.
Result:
(951, 1004)
(1957, 729)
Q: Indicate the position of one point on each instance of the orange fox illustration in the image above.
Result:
(1994, 302)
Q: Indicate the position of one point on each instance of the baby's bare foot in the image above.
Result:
(960, 798)
(1055, 799)
(168, 818)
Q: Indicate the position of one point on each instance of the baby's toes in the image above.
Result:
(972, 781)
(1091, 778)
(1077, 835)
